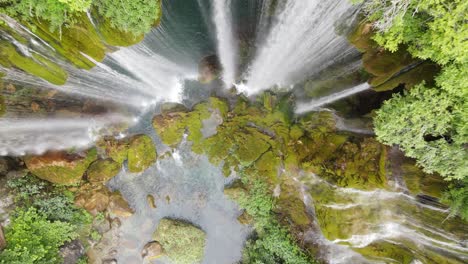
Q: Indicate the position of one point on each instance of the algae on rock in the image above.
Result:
(141, 153)
(182, 242)
(103, 170)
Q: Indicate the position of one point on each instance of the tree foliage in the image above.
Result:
(429, 122)
(57, 12)
(135, 16)
(431, 29)
(31, 239)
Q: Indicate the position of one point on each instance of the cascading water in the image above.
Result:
(21, 136)
(302, 41)
(294, 41)
(226, 42)
(307, 107)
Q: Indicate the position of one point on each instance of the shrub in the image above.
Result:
(31, 239)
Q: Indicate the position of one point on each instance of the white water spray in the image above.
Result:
(306, 107)
(302, 42)
(227, 51)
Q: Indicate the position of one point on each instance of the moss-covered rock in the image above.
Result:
(61, 167)
(419, 182)
(182, 242)
(115, 149)
(103, 170)
(35, 64)
(141, 153)
(73, 41)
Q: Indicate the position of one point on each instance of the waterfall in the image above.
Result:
(306, 107)
(302, 41)
(36, 136)
(227, 51)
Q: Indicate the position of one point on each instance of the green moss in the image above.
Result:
(388, 251)
(141, 153)
(72, 41)
(115, 149)
(182, 242)
(60, 168)
(102, 170)
(35, 65)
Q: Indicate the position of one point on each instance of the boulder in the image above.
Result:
(209, 69)
(103, 170)
(141, 153)
(72, 251)
(113, 148)
(93, 199)
(61, 167)
(183, 243)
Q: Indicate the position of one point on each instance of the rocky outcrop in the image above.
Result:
(61, 167)
(389, 69)
(182, 242)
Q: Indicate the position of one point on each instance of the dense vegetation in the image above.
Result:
(44, 220)
(136, 17)
(429, 122)
(274, 243)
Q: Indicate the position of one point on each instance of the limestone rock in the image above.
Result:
(93, 199)
(182, 242)
(61, 167)
(152, 250)
(103, 170)
(141, 153)
(119, 207)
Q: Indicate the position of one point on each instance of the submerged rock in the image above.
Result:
(61, 167)
(182, 242)
(103, 170)
(141, 153)
(118, 206)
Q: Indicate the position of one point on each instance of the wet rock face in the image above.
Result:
(60, 167)
(141, 153)
(182, 242)
(209, 69)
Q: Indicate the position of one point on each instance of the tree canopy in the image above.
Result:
(429, 122)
